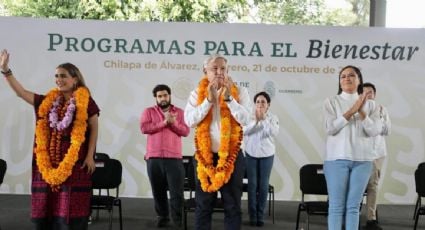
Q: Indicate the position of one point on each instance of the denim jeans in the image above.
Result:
(346, 182)
(258, 172)
(231, 194)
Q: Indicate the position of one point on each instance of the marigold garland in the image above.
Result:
(56, 176)
(213, 178)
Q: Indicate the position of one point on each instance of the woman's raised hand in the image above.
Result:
(4, 60)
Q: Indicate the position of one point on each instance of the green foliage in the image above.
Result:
(360, 12)
(295, 12)
(42, 8)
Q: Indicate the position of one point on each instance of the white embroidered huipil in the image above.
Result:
(352, 139)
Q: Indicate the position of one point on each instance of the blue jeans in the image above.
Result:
(231, 193)
(346, 182)
(258, 172)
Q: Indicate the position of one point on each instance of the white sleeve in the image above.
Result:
(240, 111)
(372, 124)
(386, 121)
(193, 113)
(333, 122)
(271, 126)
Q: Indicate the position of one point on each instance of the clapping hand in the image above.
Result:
(227, 87)
(260, 114)
(358, 105)
(212, 90)
(216, 89)
(170, 118)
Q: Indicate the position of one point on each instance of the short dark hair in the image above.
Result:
(161, 87)
(264, 94)
(359, 74)
(368, 84)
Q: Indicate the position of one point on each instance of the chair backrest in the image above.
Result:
(189, 173)
(108, 174)
(312, 180)
(101, 156)
(245, 181)
(420, 179)
(3, 167)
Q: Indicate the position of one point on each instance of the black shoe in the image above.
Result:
(260, 223)
(253, 223)
(178, 224)
(162, 221)
(372, 225)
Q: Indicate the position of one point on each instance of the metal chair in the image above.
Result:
(3, 167)
(107, 176)
(312, 182)
(190, 186)
(101, 156)
(420, 190)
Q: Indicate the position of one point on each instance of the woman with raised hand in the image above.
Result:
(65, 140)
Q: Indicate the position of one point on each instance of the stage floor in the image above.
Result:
(139, 213)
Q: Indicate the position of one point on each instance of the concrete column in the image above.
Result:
(378, 9)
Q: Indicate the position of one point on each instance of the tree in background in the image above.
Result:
(290, 12)
(360, 10)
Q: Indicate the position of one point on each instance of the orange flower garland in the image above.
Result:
(56, 176)
(213, 178)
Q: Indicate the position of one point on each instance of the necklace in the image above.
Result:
(55, 176)
(212, 177)
(69, 114)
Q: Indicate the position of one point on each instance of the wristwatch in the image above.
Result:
(228, 99)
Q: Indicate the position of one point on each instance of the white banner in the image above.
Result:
(298, 65)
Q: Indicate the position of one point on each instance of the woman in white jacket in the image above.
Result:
(350, 122)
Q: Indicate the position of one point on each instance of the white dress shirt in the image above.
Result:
(352, 139)
(194, 114)
(259, 136)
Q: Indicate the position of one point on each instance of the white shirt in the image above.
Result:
(193, 113)
(380, 146)
(352, 139)
(259, 137)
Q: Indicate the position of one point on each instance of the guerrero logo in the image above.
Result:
(270, 88)
(182, 87)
